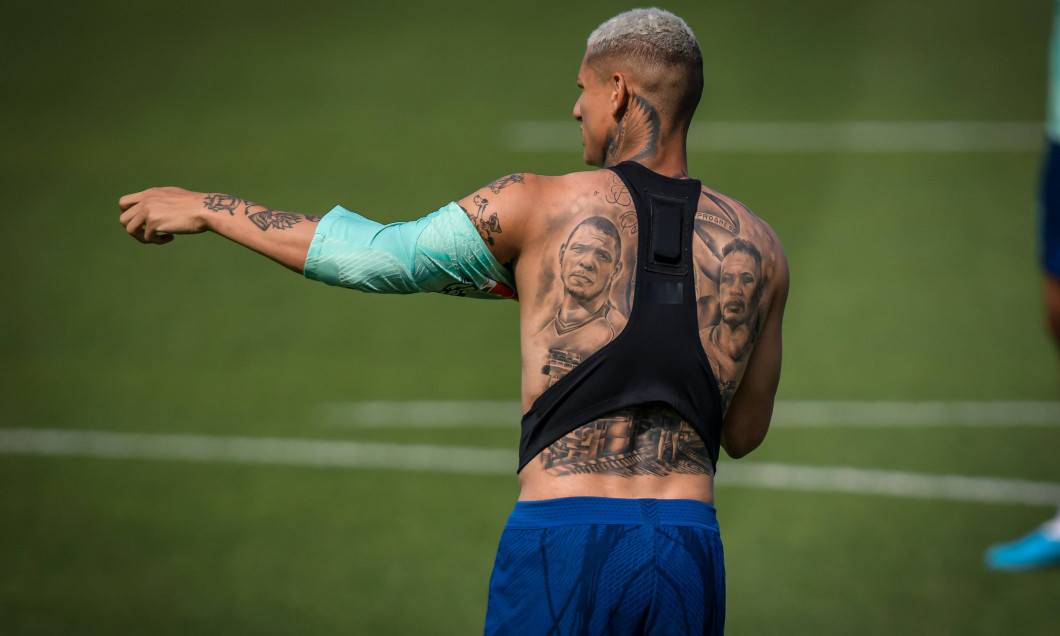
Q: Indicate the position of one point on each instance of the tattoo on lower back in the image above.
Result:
(264, 218)
(631, 442)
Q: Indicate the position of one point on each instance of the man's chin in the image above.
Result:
(592, 160)
(578, 295)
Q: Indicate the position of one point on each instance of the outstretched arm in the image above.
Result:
(156, 215)
(441, 252)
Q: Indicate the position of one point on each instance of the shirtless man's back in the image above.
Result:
(650, 311)
(583, 236)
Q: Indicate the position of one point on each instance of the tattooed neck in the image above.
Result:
(637, 135)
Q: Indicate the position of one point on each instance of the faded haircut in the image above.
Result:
(651, 40)
(654, 35)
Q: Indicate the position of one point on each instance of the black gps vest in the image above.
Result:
(658, 356)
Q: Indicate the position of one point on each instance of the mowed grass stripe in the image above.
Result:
(461, 460)
(835, 136)
(804, 413)
(256, 450)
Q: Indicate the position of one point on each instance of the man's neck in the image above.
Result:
(575, 312)
(642, 137)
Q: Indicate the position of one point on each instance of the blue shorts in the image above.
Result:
(589, 565)
(1049, 210)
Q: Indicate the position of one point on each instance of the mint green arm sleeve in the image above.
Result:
(442, 252)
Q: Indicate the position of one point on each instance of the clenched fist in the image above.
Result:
(155, 215)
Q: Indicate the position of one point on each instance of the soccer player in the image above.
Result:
(615, 530)
(1041, 547)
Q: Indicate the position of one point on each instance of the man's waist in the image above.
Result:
(567, 511)
(537, 483)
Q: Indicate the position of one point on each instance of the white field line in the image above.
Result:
(928, 413)
(839, 136)
(888, 483)
(421, 414)
(441, 414)
(458, 460)
(255, 450)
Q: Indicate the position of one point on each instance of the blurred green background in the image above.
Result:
(913, 278)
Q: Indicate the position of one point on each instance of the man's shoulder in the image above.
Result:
(571, 181)
(733, 215)
(543, 185)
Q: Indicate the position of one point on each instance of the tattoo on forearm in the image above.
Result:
(223, 203)
(277, 220)
(264, 218)
(647, 440)
(486, 223)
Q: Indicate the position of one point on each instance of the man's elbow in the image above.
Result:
(739, 448)
(741, 436)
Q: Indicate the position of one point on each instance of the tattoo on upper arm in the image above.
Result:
(486, 223)
(264, 218)
(504, 182)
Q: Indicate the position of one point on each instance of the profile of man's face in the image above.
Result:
(591, 111)
(588, 263)
(737, 287)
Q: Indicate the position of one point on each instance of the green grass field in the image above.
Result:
(913, 279)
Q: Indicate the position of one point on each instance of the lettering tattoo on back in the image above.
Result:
(618, 193)
(264, 218)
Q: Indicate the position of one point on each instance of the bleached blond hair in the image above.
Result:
(662, 52)
(653, 35)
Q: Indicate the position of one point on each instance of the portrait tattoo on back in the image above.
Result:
(584, 319)
(731, 292)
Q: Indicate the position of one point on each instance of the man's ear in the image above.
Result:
(620, 93)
